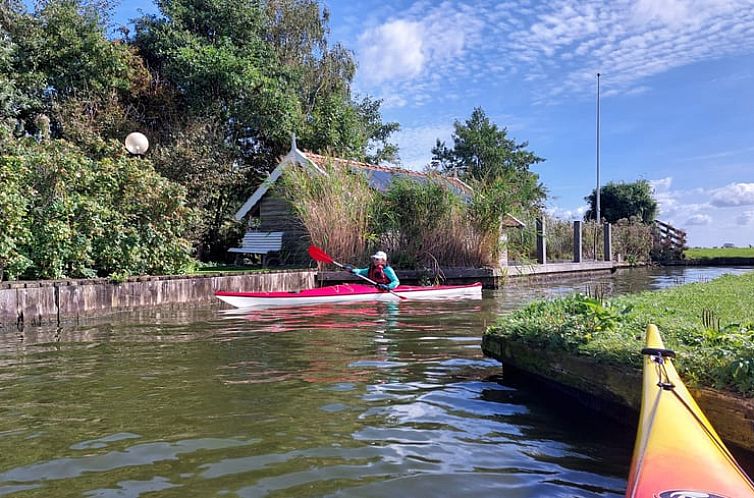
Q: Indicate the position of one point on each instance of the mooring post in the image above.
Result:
(577, 242)
(608, 233)
(541, 242)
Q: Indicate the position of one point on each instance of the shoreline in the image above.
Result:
(615, 391)
(36, 302)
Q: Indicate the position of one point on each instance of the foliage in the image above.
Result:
(714, 353)
(218, 87)
(701, 253)
(423, 224)
(204, 162)
(81, 217)
(13, 212)
(623, 201)
(632, 241)
(336, 208)
(498, 170)
(482, 152)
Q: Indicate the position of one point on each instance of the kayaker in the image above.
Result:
(378, 271)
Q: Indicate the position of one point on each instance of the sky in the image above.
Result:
(676, 92)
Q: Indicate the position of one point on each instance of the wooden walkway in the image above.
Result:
(557, 268)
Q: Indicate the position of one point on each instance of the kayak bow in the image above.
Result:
(347, 293)
(677, 453)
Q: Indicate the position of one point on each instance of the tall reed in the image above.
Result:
(335, 208)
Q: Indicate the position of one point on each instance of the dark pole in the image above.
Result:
(597, 214)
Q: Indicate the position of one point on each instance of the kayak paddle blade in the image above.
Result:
(318, 254)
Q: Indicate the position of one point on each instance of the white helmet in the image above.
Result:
(380, 255)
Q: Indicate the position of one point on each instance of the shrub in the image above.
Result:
(76, 216)
(424, 224)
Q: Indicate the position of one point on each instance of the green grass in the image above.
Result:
(719, 252)
(241, 269)
(716, 352)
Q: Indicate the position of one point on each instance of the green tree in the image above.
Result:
(496, 167)
(619, 201)
(481, 150)
(231, 81)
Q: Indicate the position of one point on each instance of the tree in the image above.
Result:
(620, 201)
(482, 150)
(482, 153)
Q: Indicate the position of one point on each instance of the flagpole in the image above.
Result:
(597, 214)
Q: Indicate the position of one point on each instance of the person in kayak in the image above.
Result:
(378, 271)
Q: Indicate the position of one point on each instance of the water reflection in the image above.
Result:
(375, 399)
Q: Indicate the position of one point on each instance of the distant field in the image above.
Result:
(719, 252)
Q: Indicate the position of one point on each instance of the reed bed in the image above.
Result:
(419, 224)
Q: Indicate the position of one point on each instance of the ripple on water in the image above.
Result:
(351, 400)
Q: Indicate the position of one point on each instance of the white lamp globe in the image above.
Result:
(137, 143)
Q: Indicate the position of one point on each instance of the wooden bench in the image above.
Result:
(262, 243)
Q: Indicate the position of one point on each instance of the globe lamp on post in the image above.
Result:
(137, 144)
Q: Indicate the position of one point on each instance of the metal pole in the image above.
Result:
(597, 214)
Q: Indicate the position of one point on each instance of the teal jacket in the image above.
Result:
(389, 273)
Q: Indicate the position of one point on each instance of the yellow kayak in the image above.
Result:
(677, 452)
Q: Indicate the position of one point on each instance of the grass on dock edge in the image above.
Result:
(710, 325)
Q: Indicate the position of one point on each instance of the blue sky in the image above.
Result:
(677, 91)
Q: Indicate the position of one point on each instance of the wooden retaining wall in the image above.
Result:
(53, 301)
(616, 391)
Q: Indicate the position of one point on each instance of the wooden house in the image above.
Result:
(276, 233)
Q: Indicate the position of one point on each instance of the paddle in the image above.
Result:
(318, 254)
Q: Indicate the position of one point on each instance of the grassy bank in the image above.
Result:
(719, 252)
(710, 325)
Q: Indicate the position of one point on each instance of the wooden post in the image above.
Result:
(541, 242)
(502, 254)
(577, 242)
(608, 233)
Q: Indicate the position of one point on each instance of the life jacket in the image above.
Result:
(377, 274)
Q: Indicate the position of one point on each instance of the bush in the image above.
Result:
(76, 216)
(632, 241)
(424, 224)
(13, 212)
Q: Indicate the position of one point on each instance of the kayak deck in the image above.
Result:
(677, 451)
(348, 292)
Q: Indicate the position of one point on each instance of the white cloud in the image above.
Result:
(567, 214)
(734, 194)
(629, 42)
(666, 11)
(699, 219)
(392, 50)
(415, 144)
(661, 185)
(416, 55)
(745, 218)
(558, 45)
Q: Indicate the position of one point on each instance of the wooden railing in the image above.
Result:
(669, 243)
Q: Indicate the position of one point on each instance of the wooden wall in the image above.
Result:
(276, 215)
(51, 301)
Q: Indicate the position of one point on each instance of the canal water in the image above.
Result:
(348, 400)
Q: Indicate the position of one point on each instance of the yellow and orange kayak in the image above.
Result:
(677, 452)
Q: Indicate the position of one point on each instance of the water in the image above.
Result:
(347, 400)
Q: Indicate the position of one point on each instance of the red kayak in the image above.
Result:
(349, 292)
